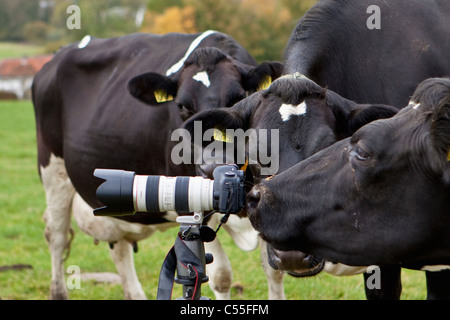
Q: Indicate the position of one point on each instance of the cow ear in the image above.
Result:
(237, 117)
(440, 133)
(152, 88)
(261, 76)
(359, 118)
(350, 117)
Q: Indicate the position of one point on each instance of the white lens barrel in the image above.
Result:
(180, 194)
(139, 193)
(200, 194)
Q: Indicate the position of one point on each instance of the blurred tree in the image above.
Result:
(159, 6)
(173, 19)
(35, 32)
(263, 27)
(14, 15)
(298, 8)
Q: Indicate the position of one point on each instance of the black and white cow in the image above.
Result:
(86, 119)
(336, 45)
(380, 197)
(374, 51)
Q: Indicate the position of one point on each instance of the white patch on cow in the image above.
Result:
(109, 229)
(288, 110)
(242, 232)
(339, 269)
(435, 268)
(296, 75)
(203, 78)
(84, 42)
(177, 66)
(414, 105)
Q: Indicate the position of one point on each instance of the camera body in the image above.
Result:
(125, 193)
(229, 192)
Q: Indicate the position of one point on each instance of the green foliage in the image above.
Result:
(159, 6)
(263, 27)
(14, 15)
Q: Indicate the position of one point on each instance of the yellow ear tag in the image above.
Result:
(267, 81)
(448, 156)
(162, 96)
(220, 135)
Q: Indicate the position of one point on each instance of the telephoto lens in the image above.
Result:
(124, 192)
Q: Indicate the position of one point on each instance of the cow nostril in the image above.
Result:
(253, 198)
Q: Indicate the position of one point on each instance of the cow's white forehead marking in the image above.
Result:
(203, 78)
(84, 42)
(288, 110)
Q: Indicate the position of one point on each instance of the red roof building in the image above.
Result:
(16, 74)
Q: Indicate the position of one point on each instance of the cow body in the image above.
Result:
(86, 119)
(334, 47)
(379, 197)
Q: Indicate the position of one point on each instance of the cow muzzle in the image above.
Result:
(295, 263)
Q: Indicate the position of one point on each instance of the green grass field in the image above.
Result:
(22, 203)
(14, 50)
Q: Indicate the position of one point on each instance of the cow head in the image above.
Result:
(208, 79)
(380, 197)
(305, 116)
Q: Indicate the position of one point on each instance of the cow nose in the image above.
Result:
(253, 198)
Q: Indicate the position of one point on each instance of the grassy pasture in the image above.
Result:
(14, 50)
(22, 203)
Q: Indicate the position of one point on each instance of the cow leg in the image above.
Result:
(113, 231)
(219, 271)
(438, 285)
(274, 277)
(390, 284)
(122, 255)
(59, 192)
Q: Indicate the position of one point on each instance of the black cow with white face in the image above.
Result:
(379, 197)
(86, 118)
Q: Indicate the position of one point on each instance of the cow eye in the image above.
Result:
(359, 153)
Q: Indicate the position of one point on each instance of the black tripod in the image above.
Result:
(188, 257)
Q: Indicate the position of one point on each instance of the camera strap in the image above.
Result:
(179, 252)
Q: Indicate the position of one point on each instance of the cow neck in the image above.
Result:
(177, 66)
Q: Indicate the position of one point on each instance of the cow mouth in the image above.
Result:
(295, 263)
